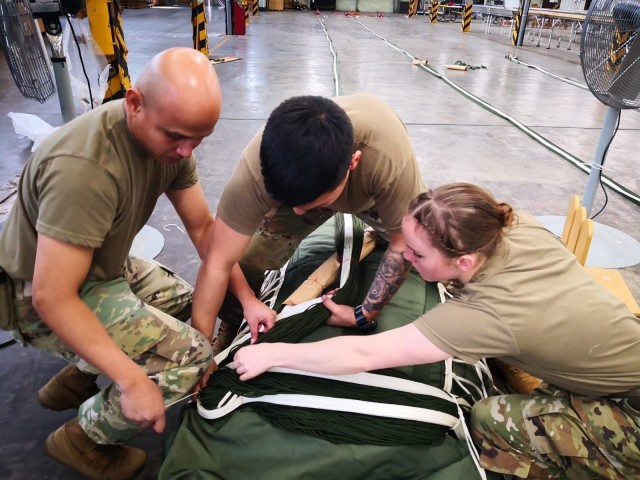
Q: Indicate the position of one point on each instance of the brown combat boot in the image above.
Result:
(515, 379)
(227, 333)
(71, 446)
(69, 388)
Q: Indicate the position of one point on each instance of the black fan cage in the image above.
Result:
(24, 49)
(610, 52)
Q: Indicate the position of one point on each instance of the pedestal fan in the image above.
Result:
(610, 58)
(26, 53)
(23, 47)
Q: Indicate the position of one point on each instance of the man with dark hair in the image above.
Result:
(304, 150)
(314, 157)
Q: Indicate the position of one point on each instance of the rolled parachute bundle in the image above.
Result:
(398, 423)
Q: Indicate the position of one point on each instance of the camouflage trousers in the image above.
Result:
(554, 434)
(138, 311)
(272, 245)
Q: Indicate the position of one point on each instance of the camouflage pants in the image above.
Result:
(137, 310)
(278, 236)
(553, 434)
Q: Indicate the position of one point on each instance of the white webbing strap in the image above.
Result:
(481, 367)
(244, 333)
(231, 402)
(470, 445)
(387, 410)
(461, 429)
(403, 385)
(378, 381)
(448, 374)
(271, 285)
(290, 310)
(347, 250)
(225, 353)
(444, 293)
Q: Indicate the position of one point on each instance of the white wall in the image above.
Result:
(346, 5)
(365, 6)
(572, 4)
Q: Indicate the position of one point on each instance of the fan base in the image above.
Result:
(148, 243)
(610, 248)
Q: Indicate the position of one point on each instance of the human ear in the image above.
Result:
(133, 101)
(466, 262)
(355, 160)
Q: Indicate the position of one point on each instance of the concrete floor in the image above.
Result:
(288, 53)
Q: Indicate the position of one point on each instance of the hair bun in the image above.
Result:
(507, 213)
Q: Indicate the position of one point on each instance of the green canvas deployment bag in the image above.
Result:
(7, 296)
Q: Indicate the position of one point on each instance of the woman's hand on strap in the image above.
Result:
(253, 360)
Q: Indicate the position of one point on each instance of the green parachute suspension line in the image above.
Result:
(334, 426)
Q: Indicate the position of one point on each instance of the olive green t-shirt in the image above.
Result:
(535, 307)
(380, 188)
(90, 183)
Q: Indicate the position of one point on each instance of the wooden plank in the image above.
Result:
(545, 12)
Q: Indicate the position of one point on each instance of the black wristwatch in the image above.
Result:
(364, 325)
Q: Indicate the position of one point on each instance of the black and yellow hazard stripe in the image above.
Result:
(516, 27)
(119, 81)
(466, 17)
(254, 7)
(245, 7)
(617, 49)
(199, 22)
(413, 8)
(434, 11)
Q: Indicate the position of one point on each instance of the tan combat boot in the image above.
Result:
(227, 333)
(69, 388)
(71, 446)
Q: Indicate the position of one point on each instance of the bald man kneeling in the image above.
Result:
(75, 291)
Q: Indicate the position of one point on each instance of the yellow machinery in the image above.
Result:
(199, 22)
(105, 21)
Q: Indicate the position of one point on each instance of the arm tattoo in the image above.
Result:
(391, 274)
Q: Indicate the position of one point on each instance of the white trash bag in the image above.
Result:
(95, 65)
(31, 126)
(97, 71)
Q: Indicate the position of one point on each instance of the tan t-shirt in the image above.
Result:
(381, 186)
(90, 183)
(535, 307)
